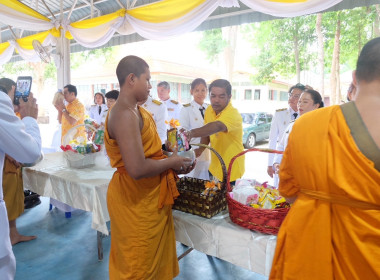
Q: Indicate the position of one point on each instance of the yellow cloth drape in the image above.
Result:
(142, 240)
(333, 228)
(22, 8)
(4, 46)
(26, 42)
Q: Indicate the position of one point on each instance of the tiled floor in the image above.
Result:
(66, 250)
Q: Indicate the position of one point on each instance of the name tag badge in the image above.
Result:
(170, 109)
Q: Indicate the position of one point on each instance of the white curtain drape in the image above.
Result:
(156, 21)
(285, 9)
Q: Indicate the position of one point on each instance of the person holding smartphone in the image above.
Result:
(21, 140)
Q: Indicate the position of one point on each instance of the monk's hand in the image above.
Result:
(182, 165)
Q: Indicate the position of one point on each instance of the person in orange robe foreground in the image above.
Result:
(142, 190)
(333, 228)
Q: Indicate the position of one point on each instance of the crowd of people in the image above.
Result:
(330, 169)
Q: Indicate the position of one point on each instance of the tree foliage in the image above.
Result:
(102, 55)
(212, 43)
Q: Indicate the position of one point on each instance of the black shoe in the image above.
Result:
(30, 195)
(30, 203)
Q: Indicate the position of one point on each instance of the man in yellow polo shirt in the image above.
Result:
(223, 130)
(73, 113)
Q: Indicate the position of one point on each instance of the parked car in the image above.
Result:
(256, 127)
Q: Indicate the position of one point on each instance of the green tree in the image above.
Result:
(212, 43)
(282, 47)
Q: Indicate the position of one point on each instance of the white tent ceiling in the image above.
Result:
(84, 9)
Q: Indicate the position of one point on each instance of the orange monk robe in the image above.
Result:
(319, 239)
(142, 240)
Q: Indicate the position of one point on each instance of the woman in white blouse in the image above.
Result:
(191, 116)
(96, 111)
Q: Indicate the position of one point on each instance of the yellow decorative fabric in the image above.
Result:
(142, 240)
(227, 144)
(4, 46)
(333, 228)
(93, 22)
(20, 7)
(26, 42)
(165, 10)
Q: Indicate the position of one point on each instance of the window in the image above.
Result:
(272, 94)
(234, 94)
(283, 96)
(262, 119)
(257, 94)
(248, 94)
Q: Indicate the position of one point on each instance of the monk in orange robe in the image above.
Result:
(142, 190)
(331, 167)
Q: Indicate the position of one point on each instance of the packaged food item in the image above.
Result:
(58, 97)
(175, 139)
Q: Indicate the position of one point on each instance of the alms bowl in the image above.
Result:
(187, 154)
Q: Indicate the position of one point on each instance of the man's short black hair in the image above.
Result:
(368, 65)
(71, 88)
(6, 84)
(164, 84)
(113, 94)
(130, 65)
(221, 83)
(298, 86)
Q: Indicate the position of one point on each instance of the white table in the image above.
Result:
(219, 237)
(86, 189)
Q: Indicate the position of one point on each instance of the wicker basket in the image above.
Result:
(76, 160)
(191, 199)
(261, 220)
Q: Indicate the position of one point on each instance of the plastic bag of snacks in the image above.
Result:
(80, 151)
(175, 138)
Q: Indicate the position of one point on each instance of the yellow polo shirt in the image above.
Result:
(76, 110)
(227, 144)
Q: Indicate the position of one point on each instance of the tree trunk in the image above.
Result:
(230, 35)
(321, 56)
(376, 27)
(335, 64)
(297, 56)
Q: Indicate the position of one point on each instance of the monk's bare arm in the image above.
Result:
(124, 126)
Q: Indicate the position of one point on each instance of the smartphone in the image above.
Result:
(23, 86)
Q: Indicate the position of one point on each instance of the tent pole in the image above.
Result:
(63, 71)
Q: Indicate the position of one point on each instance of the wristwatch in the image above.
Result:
(64, 110)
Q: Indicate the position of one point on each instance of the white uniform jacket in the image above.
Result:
(93, 112)
(281, 145)
(159, 114)
(21, 140)
(191, 117)
(280, 122)
(174, 108)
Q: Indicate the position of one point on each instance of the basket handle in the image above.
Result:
(224, 169)
(229, 189)
(75, 127)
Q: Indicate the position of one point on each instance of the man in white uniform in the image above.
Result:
(280, 122)
(173, 107)
(159, 114)
(21, 140)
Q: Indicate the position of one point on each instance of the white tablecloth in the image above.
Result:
(219, 237)
(84, 188)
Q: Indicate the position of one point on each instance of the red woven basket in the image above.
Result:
(261, 220)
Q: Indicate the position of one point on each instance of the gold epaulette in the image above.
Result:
(173, 101)
(156, 102)
(187, 105)
(279, 110)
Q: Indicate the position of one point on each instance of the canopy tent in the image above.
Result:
(81, 24)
